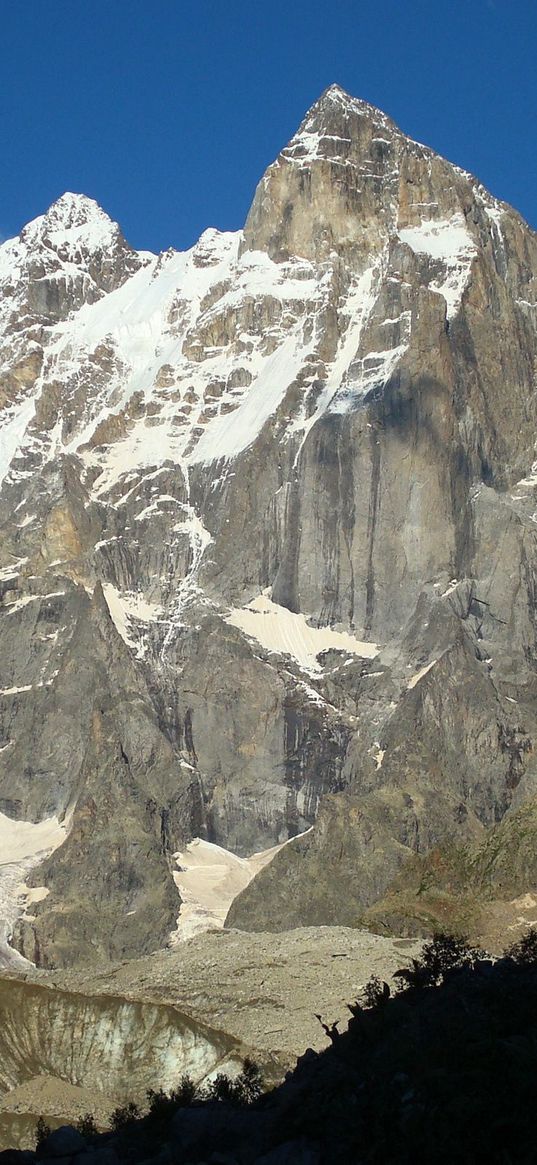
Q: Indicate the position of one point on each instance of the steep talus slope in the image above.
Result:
(325, 421)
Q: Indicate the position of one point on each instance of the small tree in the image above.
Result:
(221, 1088)
(442, 954)
(124, 1115)
(185, 1094)
(163, 1104)
(86, 1125)
(249, 1084)
(243, 1089)
(375, 993)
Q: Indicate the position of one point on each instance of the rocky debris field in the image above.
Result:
(90, 1042)
(262, 989)
(440, 1069)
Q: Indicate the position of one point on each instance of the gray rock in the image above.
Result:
(357, 436)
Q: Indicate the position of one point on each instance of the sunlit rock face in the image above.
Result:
(328, 417)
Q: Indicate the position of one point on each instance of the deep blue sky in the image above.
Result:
(168, 111)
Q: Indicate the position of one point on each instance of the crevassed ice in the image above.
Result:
(23, 844)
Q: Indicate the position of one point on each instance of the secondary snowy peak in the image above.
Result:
(73, 218)
(74, 230)
(68, 256)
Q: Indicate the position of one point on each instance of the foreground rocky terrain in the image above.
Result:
(267, 526)
(74, 1043)
(443, 1070)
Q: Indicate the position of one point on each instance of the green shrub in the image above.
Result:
(374, 994)
(241, 1089)
(86, 1125)
(185, 1094)
(124, 1115)
(249, 1085)
(162, 1105)
(442, 954)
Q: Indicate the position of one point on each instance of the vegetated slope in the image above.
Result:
(268, 538)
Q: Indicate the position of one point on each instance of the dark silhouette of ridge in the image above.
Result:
(444, 1071)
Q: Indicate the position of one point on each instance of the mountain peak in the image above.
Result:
(348, 147)
(75, 245)
(75, 210)
(72, 218)
(336, 93)
(335, 105)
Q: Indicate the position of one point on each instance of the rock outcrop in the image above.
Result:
(324, 423)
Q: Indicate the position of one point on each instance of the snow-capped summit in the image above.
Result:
(336, 102)
(74, 229)
(68, 256)
(71, 210)
(73, 220)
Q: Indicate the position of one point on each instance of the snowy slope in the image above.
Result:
(324, 408)
(212, 338)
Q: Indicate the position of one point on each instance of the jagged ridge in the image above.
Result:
(327, 419)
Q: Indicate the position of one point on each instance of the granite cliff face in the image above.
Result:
(268, 539)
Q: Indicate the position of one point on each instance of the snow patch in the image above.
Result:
(128, 608)
(420, 674)
(23, 845)
(446, 241)
(209, 878)
(13, 570)
(378, 757)
(280, 630)
(13, 424)
(449, 589)
(228, 435)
